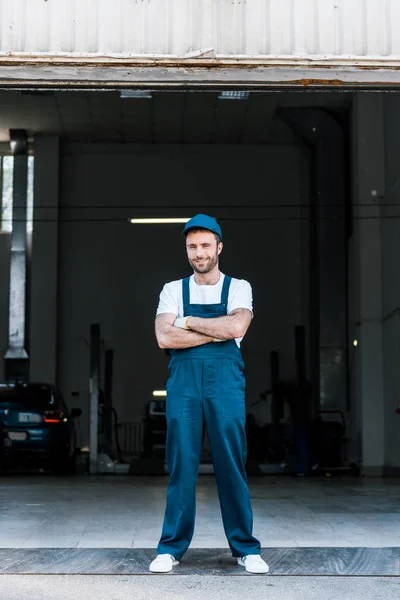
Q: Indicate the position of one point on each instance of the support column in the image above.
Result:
(44, 270)
(368, 191)
(16, 363)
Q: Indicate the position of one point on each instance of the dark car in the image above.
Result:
(5, 447)
(39, 425)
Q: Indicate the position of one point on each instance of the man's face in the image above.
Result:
(203, 251)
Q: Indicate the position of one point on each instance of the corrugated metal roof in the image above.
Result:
(315, 29)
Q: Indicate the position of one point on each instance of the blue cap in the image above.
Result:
(203, 222)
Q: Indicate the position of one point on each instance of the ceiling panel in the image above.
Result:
(168, 116)
(257, 124)
(137, 119)
(26, 111)
(105, 110)
(75, 115)
(229, 118)
(199, 117)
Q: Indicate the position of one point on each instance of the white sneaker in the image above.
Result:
(163, 563)
(253, 563)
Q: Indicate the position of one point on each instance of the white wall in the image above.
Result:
(112, 272)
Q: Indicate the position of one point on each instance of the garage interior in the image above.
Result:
(305, 185)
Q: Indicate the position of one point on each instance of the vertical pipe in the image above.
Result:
(94, 396)
(107, 409)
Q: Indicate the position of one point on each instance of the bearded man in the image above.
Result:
(202, 320)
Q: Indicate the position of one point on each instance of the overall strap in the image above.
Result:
(185, 292)
(225, 291)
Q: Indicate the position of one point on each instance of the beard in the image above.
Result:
(207, 265)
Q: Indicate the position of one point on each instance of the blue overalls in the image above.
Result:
(206, 384)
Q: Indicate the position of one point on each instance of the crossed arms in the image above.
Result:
(202, 331)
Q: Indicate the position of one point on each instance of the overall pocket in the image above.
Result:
(182, 394)
(174, 403)
(233, 390)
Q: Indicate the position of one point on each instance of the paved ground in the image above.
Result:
(114, 511)
(57, 587)
(127, 511)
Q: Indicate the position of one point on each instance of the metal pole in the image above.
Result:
(94, 397)
(107, 416)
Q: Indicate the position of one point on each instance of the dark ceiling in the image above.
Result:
(161, 117)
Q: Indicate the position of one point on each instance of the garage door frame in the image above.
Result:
(87, 72)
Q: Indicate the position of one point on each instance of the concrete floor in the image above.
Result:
(122, 512)
(56, 587)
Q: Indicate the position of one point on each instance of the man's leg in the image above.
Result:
(224, 413)
(183, 450)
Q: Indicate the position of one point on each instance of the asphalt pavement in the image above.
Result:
(176, 587)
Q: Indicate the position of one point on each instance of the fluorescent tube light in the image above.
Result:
(159, 393)
(143, 94)
(158, 221)
(233, 95)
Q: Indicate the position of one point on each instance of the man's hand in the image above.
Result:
(175, 338)
(181, 323)
(228, 327)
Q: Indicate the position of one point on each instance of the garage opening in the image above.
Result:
(271, 167)
(116, 175)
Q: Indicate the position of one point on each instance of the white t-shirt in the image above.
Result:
(171, 301)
